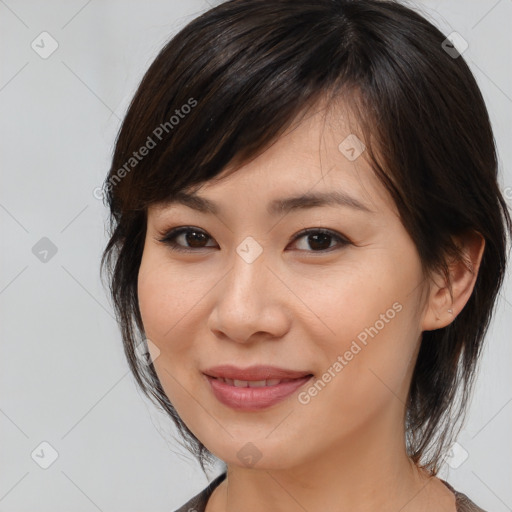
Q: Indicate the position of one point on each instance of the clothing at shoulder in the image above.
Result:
(464, 504)
(199, 501)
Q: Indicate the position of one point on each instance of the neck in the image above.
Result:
(364, 474)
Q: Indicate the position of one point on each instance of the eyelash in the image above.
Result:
(169, 237)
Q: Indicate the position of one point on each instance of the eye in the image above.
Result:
(320, 239)
(185, 235)
(189, 239)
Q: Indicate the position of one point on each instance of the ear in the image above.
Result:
(443, 304)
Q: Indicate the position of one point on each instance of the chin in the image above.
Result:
(258, 454)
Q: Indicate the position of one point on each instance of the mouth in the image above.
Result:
(254, 388)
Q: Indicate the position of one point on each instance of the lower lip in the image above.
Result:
(254, 399)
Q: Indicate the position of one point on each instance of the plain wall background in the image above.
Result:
(63, 376)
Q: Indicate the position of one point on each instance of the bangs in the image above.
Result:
(228, 101)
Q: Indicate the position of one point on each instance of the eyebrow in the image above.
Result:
(277, 206)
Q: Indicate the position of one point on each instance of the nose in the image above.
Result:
(250, 303)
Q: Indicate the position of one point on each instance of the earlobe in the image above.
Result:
(447, 298)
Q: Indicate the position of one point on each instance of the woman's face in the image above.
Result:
(247, 288)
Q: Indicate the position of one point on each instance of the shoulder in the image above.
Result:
(463, 503)
(199, 501)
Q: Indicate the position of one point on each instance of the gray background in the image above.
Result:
(64, 379)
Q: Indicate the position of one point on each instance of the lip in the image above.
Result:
(257, 372)
(254, 398)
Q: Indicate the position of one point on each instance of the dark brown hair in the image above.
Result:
(230, 82)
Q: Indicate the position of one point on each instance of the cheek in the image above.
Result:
(164, 300)
(161, 304)
(153, 300)
(364, 377)
(172, 305)
(359, 302)
(372, 315)
(167, 297)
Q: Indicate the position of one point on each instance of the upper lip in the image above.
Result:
(258, 372)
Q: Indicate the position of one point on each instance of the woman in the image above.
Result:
(308, 237)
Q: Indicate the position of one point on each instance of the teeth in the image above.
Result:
(252, 383)
(257, 384)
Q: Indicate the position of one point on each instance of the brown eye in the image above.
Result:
(186, 239)
(320, 240)
(195, 238)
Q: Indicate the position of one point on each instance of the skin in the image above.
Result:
(300, 308)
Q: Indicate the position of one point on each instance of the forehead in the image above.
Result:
(321, 154)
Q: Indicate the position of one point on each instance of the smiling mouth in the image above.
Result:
(254, 395)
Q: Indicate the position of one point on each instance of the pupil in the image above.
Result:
(323, 238)
(194, 236)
